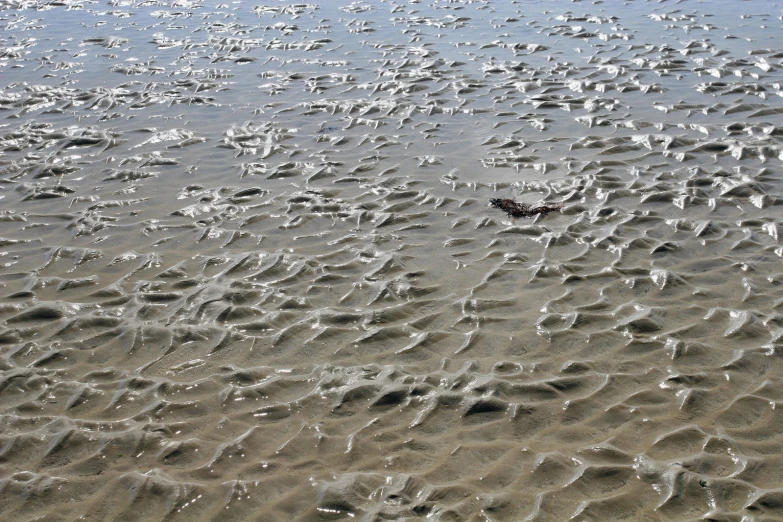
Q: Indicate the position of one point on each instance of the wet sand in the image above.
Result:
(249, 269)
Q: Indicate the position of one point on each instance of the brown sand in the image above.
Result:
(249, 270)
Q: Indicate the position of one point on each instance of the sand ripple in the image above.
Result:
(249, 269)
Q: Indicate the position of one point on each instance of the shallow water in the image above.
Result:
(248, 269)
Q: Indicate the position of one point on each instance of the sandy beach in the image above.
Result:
(269, 262)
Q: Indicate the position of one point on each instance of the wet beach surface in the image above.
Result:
(249, 269)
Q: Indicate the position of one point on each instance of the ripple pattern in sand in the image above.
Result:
(248, 268)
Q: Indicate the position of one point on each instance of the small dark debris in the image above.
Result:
(516, 210)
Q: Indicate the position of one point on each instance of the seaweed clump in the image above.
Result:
(516, 210)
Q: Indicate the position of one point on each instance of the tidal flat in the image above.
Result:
(249, 268)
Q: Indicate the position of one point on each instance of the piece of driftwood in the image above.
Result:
(516, 210)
